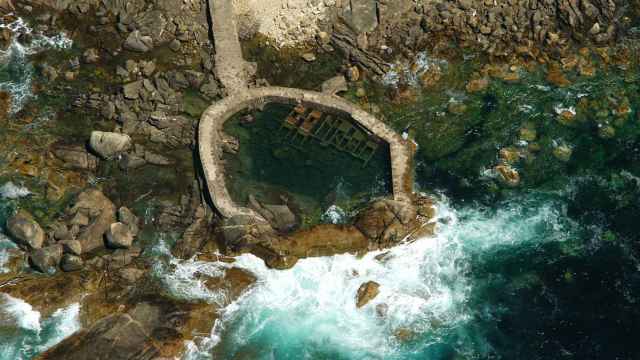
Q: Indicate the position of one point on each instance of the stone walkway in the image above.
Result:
(232, 72)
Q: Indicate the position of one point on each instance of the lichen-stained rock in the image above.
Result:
(507, 175)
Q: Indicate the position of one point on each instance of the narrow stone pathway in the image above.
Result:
(232, 71)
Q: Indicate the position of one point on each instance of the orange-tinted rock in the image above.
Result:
(556, 77)
(509, 155)
(508, 175)
(5, 105)
(477, 85)
(367, 292)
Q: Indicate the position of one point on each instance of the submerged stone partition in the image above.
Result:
(232, 71)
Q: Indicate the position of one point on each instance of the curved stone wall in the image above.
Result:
(213, 119)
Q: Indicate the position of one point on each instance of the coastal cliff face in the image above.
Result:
(104, 206)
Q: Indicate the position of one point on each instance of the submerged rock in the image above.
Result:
(367, 292)
(563, 152)
(109, 144)
(280, 217)
(25, 230)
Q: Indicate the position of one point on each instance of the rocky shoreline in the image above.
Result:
(139, 77)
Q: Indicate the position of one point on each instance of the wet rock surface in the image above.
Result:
(367, 292)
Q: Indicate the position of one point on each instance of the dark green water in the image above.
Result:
(315, 177)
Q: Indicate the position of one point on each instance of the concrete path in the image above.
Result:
(232, 72)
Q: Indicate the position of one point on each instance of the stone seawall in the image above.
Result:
(213, 119)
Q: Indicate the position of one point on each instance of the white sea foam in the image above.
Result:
(424, 288)
(15, 58)
(186, 279)
(409, 73)
(19, 313)
(334, 215)
(12, 191)
(29, 333)
(5, 245)
(560, 108)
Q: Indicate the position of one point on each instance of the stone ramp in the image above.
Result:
(210, 138)
(231, 68)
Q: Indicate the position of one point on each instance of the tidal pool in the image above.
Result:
(271, 164)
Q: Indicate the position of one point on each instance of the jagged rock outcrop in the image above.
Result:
(151, 326)
(100, 213)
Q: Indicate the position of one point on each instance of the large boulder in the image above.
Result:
(25, 230)
(76, 157)
(47, 259)
(109, 144)
(388, 221)
(138, 43)
(119, 236)
(367, 292)
(73, 247)
(101, 213)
